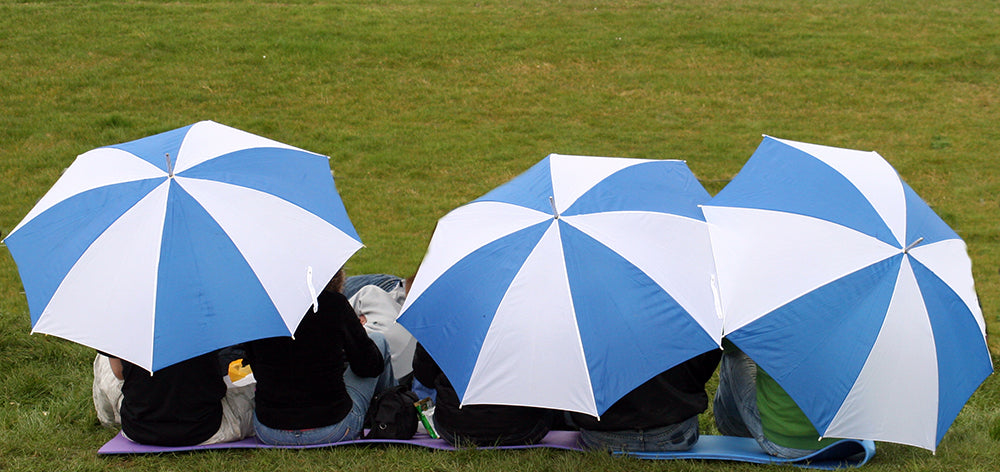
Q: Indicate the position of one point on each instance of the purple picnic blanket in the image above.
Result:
(121, 445)
(842, 454)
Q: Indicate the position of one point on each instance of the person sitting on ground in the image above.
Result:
(659, 415)
(377, 309)
(305, 392)
(749, 403)
(184, 404)
(478, 425)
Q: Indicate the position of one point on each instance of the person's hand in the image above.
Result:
(363, 319)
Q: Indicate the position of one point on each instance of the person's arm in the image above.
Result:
(115, 363)
(362, 354)
(116, 368)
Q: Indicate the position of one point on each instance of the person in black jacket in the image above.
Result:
(478, 425)
(659, 415)
(184, 404)
(315, 387)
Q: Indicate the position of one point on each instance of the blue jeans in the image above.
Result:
(676, 437)
(360, 389)
(384, 281)
(423, 391)
(735, 404)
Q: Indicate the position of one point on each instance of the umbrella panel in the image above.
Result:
(963, 363)
(297, 177)
(202, 271)
(782, 178)
(56, 239)
(460, 313)
(630, 328)
(840, 334)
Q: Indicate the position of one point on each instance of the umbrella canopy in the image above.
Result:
(570, 285)
(170, 246)
(843, 285)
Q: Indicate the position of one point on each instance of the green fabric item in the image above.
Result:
(783, 421)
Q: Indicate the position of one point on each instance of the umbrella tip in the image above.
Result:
(552, 201)
(906, 250)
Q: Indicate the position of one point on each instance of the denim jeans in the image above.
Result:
(676, 437)
(383, 281)
(735, 404)
(423, 391)
(360, 389)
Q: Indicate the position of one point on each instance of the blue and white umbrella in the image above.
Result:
(177, 244)
(570, 285)
(843, 285)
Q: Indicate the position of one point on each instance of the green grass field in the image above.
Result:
(425, 105)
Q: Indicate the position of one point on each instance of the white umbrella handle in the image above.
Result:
(312, 289)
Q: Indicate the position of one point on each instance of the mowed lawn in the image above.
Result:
(425, 105)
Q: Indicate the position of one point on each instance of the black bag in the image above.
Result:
(392, 414)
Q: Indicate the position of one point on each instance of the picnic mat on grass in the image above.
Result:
(842, 454)
(846, 453)
(120, 445)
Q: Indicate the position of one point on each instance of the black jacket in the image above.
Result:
(300, 382)
(179, 405)
(671, 397)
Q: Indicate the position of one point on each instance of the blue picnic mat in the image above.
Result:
(845, 453)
